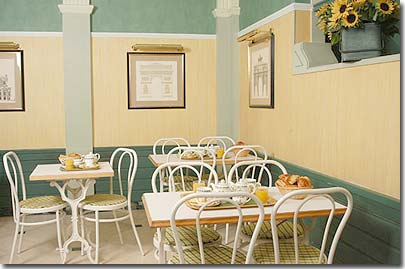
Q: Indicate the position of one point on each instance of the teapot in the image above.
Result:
(244, 185)
(222, 186)
(90, 159)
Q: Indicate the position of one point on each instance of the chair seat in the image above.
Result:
(42, 202)
(285, 230)
(264, 253)
(218, 254)
(188, 236)
(177, 179)
(103, 200)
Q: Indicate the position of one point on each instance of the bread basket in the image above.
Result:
(286, 189)
(243, 152)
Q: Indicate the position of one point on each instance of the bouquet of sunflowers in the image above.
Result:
(346, 14)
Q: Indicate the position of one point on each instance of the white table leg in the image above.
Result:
(162, 253)
(74, 203)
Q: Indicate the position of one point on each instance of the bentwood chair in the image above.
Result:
(215, 254)
(223, 142)
(164, 143)
(296, 252)
(29, 206)
(187, 234)
(264, 170)
(241, 151)
(184, 181)
(113, 202)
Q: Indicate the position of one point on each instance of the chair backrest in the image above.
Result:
(325, 194)
(238, 153)
(199, 153)
(168, 141)
(222, 197)
(175, 167)
(124, 155)
(248, 168)
(15, 176)
(221, 141)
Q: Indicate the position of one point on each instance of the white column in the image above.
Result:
(77, 75)
(228, 99)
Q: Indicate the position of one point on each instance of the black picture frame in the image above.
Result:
(156, 66)
(262, 72)
(12, 96)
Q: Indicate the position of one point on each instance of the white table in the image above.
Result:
(159, 216)
(53, 173)
(159, 159)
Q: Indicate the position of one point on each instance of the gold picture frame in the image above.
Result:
(156, 80)
(261, 72)
(12, 80)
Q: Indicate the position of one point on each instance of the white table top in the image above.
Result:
(53, 172)
(159, 159)
(158, 207)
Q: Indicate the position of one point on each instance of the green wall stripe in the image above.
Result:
(252, 11)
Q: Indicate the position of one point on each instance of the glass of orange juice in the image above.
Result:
(220, 152)
(197, 184)
(69, 163)
(262, 193)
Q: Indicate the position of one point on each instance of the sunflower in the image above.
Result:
(358, 3)
(322, 10)
(332, 24)
(322, 25)
(340, 9)
(330, 35)
(352, 19)
(385, 6)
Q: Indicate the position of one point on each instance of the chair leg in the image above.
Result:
(135, 232)
(97, 235)
(82, 230)
(58, 233)
(17, 225)
(118, 228)
(226, 233)
(21, 234)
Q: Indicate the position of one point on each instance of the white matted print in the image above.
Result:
(11, 80)
(156, 80)
(261, 73)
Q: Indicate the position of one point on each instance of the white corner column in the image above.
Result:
(77, 75)
(228, 98)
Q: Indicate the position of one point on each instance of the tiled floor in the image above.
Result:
(39, 243)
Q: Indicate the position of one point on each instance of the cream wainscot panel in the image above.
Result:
(42, 124)
(344, 123)
(115, 124)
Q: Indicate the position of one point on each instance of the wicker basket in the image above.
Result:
(285, 190)
(243, 153)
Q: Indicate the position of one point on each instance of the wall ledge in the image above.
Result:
(369, 61)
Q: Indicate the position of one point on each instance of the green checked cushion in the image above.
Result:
(285, 230)
(218, 254)
(103, 200)
(41, 202)
(264, 253)
(188, 186)
(188, 236)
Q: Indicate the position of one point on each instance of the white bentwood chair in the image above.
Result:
(215, 254)
(264, 168)
(296, 252)
(168, 141)
(188, 234)
(113, 202)
(185, 180)
(223, 142)
(29, 206)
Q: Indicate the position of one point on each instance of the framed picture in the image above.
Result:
(11, 80)
(261, 72)
(156, 80)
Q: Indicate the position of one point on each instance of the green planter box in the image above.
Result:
(361, 43)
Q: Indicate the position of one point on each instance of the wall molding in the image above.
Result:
(111, 35)
(276, 15)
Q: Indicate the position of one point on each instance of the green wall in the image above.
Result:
(134, 16)
(252, 11)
